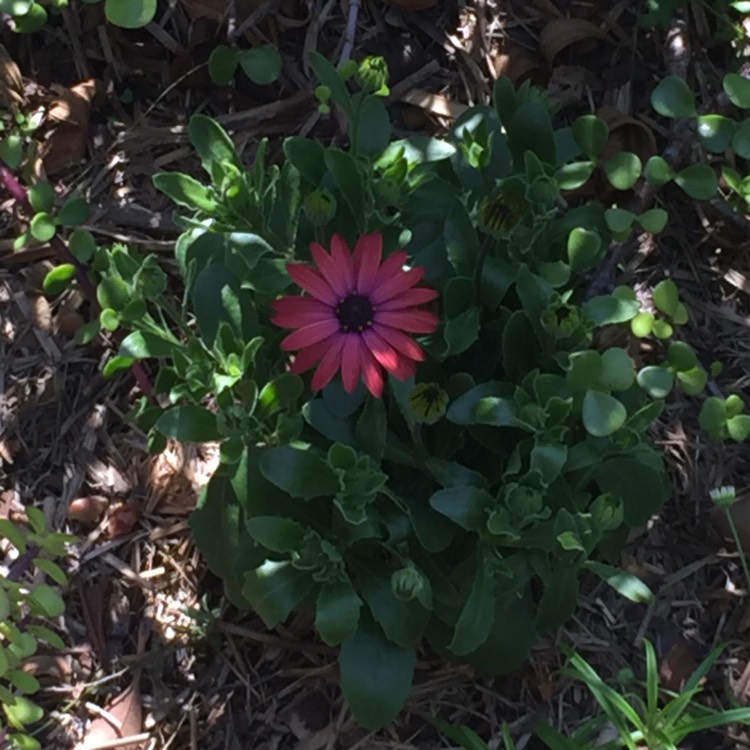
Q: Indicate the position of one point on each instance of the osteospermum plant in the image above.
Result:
(420, 440)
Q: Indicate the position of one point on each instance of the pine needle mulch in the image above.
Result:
(156, 656)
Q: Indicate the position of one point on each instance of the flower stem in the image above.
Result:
(738, 544)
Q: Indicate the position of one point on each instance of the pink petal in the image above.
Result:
(397, 284)
(342, 257)
(407, 369)
(309, 335)
(329, 365)
(414, 321)
(383, 352)
(334, 272)
(388, 268)
(290, 305)
(400, 341)
(309, 356)
(312, 282)
(410, 298)
(368, 253)
(300, 320)
(351, 361)
(371, 374)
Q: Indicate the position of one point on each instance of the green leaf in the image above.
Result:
(617, 370)
(462, 331)
(584, 247)
(698, 181)
(130, 14)
(22, 711)
(185, 191)
(738, 427)
(74, 212)
(626, 584)
(673, 98)
(623, 170)
(591, 134)
(216, 299)
(50, 602)
(33, 20)
(681, 356)
(713, 414)
(42, 227)
(466, 506)
(300, 473)
(715, 132)
(602, 414)
(11, 150)
(372, 428)
(142, 345)
(584, 370)
(656, 381)
(418, 149)
(276, 534)
(117, 364)
(530, 129)
(329, 76)
(280, 393)
(23, 681)
(666, 297)
(547, 460)
(654, 220)
(113, 292)
(189, 423)
(572, 176)
(741, 140)
(374, 132)
(642, 486)
(82, 244)
(376, 675)
(59, 279)
(346, 174)
(213, 145)
(465, 737)
(642, 324)
(607, 309)
(109, 319)
(478, 615)
(737, 88)
(693, 381)
(308, 156)
(337, 612)
(275, 589)
(560, 598)
(11, 532)
(222, 64)
(262, 65)
(42, 197)
(619, 220)
(658, 172)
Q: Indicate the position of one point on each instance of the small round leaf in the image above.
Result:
(109, 319)
(654, 220)
(656, 381)
(82, 244)
(666, 296)
(31, 21)
(59, 278)
(673, 98)
(602, 414)
(737, 88)
(715, 132)
(642, 324)
(130, 14)
(42, 197)
(662, 329)
(262, 65)
(623, 170)
(42, 227)
(590, 133)
(739, 427)
(693, 381)
(658, 172)
(619, 219)
(74, 211)
(11, 150)
(681, 356)
(222, 64)
(698, 181)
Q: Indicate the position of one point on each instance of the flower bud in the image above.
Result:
(607, 512)
(428, 402)
(500, 211)
(372, 75)
(407, 583)
(724, 497)
(319, 207)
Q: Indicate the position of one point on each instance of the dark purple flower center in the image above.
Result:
(355, 313)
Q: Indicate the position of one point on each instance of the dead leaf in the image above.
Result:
(11, 81)
(122, 519)
(41, 314)
(68, 113)
(435, 104)
(123, 718)
(87, 509)
(677, 665)
(626, 133)
(563, 32)
(519, 65)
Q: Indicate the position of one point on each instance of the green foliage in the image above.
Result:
(29, 16)
(641, 714)
(262, 65)
(27, 604)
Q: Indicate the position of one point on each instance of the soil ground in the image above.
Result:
(117, 103)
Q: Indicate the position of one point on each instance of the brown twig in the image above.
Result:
(9, 181)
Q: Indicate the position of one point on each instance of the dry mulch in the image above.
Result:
(214, 678)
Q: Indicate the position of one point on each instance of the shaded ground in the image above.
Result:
(219, 680)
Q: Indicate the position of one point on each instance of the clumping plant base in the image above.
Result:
(357, 315)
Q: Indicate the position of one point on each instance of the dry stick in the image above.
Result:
(19, 194)
(351, 30)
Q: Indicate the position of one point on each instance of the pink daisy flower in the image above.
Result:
(357, 315)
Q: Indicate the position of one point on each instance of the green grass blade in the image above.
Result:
(652, 683)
